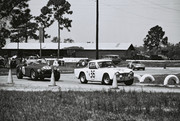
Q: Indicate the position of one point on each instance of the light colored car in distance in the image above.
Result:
(115, 58)
(104, 71)
(136, 65)
(31, 59)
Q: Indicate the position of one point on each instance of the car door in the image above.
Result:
(28, 68)
(92, 71)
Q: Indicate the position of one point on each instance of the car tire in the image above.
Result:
(129, 82)
(82, 78)
(106, 80)
(19, 73)
(33, 75)
(57, 76)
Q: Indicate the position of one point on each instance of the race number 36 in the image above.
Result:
(92, 74)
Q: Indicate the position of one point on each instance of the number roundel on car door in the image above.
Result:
(92, 74)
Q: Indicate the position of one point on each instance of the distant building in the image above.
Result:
(69, 49)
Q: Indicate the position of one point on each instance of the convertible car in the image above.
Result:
(104, 71)
(38, 69)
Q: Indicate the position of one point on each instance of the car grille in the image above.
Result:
(46, 72)
(124, 74)
(124, 77)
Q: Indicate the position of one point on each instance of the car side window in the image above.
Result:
(92, 65)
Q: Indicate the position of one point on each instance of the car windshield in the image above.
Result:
(115, 57)
(33, 57)
(111, 56)
(137, 62)
(40, 61)
(106, 64)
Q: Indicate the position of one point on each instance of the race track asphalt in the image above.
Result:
(69, 82)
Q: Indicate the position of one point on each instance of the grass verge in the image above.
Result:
(89, 106)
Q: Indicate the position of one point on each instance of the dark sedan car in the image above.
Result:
(38, 69)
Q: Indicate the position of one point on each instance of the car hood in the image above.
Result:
(124, 70)
(41, 66)
(120, 70)
(139, 65)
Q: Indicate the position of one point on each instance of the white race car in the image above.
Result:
(104, 71)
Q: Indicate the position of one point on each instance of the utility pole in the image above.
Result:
(58, 39)
(97, 29)
(41, 39)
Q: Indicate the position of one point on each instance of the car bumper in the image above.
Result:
(46, 73)
(124, 77)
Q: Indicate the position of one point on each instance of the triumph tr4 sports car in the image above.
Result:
(104, 72)
(38, 69)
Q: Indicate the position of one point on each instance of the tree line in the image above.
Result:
(18, 24)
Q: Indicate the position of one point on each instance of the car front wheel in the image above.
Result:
(129, 82)
(107, 80)
(33, 75)
(83, 78)
(19, 74)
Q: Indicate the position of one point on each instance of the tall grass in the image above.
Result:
(89, 106)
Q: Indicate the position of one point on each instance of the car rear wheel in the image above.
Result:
(83, 78)
(107, 80)
(19, 74)
(129, 82)
(33, 75)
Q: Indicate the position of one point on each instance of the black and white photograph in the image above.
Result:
(89, 60)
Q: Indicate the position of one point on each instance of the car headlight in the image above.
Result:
(55, 68)
(39, 70)
(58, 69)
(117, 73)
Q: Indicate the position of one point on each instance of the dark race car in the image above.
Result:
(38, 69)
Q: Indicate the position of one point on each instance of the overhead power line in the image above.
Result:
(136, 14)
(162, 6)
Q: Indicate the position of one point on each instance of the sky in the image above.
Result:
(120, 21)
